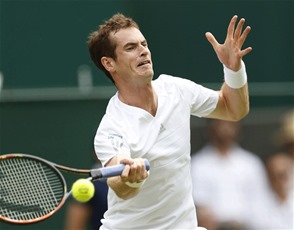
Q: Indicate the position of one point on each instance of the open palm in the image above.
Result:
(230, 53)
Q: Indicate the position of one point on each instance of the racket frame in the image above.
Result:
(55, 168)
(93, 174)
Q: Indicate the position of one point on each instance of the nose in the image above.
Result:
(144, 50)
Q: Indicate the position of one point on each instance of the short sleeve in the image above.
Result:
(202, 100)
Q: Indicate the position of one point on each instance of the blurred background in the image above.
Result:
(52, 97)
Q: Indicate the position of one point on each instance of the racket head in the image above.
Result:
(31, 189)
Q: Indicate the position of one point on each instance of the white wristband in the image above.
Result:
(235, 80)
(135, 185)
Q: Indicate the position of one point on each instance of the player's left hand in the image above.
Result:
(230, 53)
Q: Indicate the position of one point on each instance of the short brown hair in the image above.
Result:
(100, 44)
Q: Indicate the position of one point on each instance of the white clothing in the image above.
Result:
(165, 200)
(230, 186)
(275, 215)
(278, 215)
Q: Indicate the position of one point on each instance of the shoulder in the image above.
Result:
(248, 157)
(113, 111)
(165, 79)
(205, 154)
(246, 153)
(173, 84)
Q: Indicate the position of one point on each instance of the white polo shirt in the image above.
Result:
(165, 200)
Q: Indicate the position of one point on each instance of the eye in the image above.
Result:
(130, 48)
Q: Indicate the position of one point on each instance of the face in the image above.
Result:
(133, 58)
(224, 131)
(278, 170)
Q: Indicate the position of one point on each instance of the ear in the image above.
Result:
(107, 63)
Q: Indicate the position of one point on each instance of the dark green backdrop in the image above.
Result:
(43, 43)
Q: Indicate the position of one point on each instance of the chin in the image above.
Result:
(151, 74)
(148, 74)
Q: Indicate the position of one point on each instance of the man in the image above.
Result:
(81, 216)
(151, 119)
(279, 210)
(228, 180)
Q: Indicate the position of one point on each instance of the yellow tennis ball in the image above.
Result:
(83, 190)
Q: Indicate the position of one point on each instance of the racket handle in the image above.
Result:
(111, 171)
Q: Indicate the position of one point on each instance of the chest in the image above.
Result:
(164, 137)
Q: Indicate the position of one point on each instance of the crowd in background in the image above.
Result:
(234, 189)
(88, 215)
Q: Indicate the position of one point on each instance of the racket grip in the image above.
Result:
(111, 171)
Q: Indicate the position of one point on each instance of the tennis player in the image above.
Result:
(150, 119)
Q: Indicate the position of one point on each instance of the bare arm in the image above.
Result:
(233, 102)
(78, 216)
(134, 172)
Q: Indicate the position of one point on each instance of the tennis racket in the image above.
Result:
(32, 189)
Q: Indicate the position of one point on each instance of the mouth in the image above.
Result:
(146, 62)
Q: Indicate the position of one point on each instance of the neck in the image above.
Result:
(281, 194)
(222, 147)
(144, 98)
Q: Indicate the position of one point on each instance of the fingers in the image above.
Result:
(239, 29)
(211, 40)
(230, 52)
(245, 51)
(236, 34)
(244, 36)
(127, 161)
(231, 27)
(135, 170)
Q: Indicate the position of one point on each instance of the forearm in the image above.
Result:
(121, 189)
(235, 93)
(78, 216)
(236, 102)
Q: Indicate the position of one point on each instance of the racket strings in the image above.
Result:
(29, 189)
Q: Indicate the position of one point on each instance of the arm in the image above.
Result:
(78, 216)
(233, 104)
(127, 185)
(233, 101)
